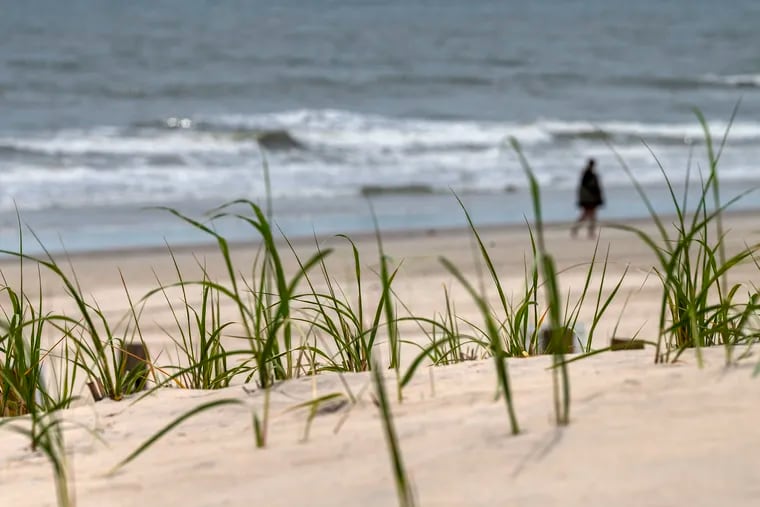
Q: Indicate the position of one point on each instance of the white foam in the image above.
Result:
(346, 130)
(342, 129)
(688, 132)
(750, 80)
(76, 142)
(344, 152)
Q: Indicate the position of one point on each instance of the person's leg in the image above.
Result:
(584, 215)
(591, 212)
(574, 227)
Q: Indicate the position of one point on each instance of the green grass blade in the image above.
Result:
(403, 485)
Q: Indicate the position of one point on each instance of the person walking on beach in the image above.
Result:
(589, 198)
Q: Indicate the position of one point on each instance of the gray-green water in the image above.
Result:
(107, 107)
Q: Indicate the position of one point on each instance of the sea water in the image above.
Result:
(111, 109)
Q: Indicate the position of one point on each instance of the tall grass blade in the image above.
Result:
(496, 349)
(403, 485)
(551, 283)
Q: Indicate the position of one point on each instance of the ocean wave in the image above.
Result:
(653, 133)
(278, 140)
(38, 187)
(115, 142)
(340, 135)
(431, 80)
(84, 186)
(306, 81)
(345, 129)
(423, 189)
(334, 154)
(57, 65)
(334, 135)
(686, 83)
(499, 61)
(734, 80)
(416, 189)
(273, 139)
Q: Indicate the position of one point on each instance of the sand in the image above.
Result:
(640, 433)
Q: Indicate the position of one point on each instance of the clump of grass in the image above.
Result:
(98, 349)
(267, 321)
(454, 346)
(516, 316)
(517, 334)
(698, 309)
(25, 396)
(571, 341)
(343, 323)
(601, 304)
(519, 319)
(199, 332)
(23, 387)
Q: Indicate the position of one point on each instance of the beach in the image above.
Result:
(288, 253)
(639, 433)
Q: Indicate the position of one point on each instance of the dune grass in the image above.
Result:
(24, 390)
(98, 349)
(698, 309)
(266, 321)
(203, 359)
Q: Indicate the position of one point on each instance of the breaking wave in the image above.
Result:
(332, 153)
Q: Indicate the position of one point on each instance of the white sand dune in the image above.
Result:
(640, 433)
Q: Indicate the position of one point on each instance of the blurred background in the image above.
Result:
(110, 108)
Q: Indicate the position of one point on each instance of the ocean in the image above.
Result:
(109, 110)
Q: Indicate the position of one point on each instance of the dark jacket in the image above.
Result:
(590, 191)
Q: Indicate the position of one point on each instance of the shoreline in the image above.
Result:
(369, 236)
(120, 229)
